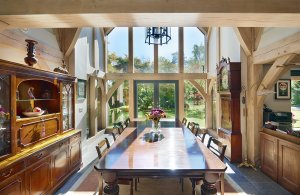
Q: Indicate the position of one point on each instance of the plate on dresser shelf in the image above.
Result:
(33, 114)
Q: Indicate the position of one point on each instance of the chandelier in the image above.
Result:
(158, 35)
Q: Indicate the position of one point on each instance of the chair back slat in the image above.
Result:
(201, 133)
(184, 121)
(126, 122)
(217, 147)
(102, 147)
(194, 127)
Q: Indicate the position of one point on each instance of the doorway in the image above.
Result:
(156, 94)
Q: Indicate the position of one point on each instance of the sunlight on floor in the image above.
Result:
(229, 170)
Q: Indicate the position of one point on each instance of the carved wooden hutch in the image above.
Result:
(229, 88)
(37, 153)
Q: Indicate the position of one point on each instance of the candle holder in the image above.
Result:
(31, 59)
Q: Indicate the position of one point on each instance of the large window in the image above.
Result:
(118, 104)
(143, 54)
(117, 50)
(168, 54)
(194, 50)
(194, 104)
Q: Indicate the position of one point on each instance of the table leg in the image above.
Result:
(111, 181)
(222, 183)
(209, 184)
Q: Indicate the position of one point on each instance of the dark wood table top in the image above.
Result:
(178, 153)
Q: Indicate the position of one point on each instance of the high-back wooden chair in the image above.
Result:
(127, 122)
(102, 148)
(194, 127)
(201, 134)
(184, 121)
(120, 127)
(218, 148)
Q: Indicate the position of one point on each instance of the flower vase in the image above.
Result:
(156, 127)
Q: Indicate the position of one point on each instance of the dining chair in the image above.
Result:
(194, 127)
(184, 121)
(102, 148)
(218, 148)
(201, 134)
(127, 122)
(120, 127)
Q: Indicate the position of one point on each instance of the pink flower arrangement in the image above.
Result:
(156, 114)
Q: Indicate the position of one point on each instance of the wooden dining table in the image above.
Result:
(175, 153)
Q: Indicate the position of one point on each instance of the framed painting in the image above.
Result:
(283, 89)
(81, 89)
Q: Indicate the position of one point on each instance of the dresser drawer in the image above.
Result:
(11, 170)
(38, 156)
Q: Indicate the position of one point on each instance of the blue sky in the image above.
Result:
(118, 42)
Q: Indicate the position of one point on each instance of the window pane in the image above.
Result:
(168, 54)
(117, 50)
(118, 105)
(145, 98)
(143, 53)
(194, 50)
(194, 104)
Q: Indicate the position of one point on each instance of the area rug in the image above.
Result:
(88, 185)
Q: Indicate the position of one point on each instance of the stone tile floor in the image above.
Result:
(254, 182)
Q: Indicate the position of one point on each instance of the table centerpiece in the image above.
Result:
(155, 115)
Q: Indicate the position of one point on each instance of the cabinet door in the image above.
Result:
(60, 162)
(38, 177)
(288, 166)
(5, 115)
(268, 146)
(67, 106)
(75, 151)
(14, 185)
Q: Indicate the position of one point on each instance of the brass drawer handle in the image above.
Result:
(6, 174)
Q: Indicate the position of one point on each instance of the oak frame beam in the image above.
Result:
(113, 89)
(154, 76)
(245, 38)
(278, 49)
(121, 6)
(199, 88)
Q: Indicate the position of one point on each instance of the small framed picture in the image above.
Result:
(283, 89)
(81, 89)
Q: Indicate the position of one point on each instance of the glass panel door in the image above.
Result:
(67, 106)
(167, 98)
(156, 94)
(5, 109)
(144, 100)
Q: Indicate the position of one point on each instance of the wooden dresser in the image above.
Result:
(280, 157)
(37, 153)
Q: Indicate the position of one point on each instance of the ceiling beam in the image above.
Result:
(153, 6)
(150, 19)
(289, 45)
(245, 38)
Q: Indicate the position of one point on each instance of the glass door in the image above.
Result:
(156, 94)
(5, 115)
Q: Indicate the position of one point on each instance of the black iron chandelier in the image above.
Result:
(158, 35)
